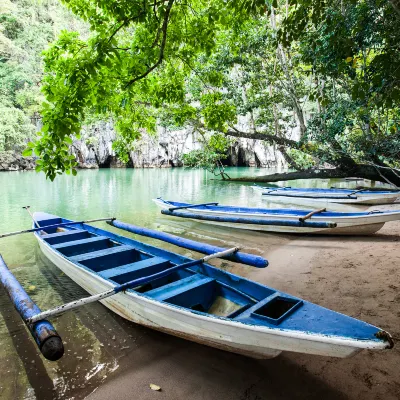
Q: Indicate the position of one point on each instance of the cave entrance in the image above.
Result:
(106, 163)
(241, 158)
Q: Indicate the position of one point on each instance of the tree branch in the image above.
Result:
(162, 46)
(124, 23)
(360, 170)
(264, 136)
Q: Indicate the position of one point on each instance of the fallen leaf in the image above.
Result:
(32, 287)
(155, 387)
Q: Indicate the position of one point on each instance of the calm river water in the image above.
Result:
(95, 339)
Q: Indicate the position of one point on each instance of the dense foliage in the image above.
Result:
(318, 80)
(137, 56)
(353, 50)
(26, 28)
(210, 156)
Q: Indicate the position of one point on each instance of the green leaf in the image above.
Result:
(27, 153)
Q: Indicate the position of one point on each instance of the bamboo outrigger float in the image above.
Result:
(43, 332)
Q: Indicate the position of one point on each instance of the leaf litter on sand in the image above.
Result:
(155, 387)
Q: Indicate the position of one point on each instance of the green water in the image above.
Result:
(95, 339)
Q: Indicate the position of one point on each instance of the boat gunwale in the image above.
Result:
(298, 335)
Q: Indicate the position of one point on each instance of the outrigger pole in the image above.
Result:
(54, 226)
(33, 219)
(46, 337)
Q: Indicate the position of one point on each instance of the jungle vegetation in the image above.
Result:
(330, 68)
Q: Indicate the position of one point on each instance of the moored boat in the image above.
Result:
(349, 223)
(202, 303)
(323, 197)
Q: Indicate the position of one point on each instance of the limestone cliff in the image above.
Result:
(94, 150)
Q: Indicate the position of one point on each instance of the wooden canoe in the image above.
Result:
(347, 223)
(324, 197)
(203, 304)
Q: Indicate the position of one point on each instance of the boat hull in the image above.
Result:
(360, 230)
(233, 336)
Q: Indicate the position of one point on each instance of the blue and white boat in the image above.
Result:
(325, 222)
(324, 197)
(203, 303)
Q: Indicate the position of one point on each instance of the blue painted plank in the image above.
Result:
(83, 246)
(62, 237)
(64, 233)
(141, 267)
(73, 243)
(172, 289)
(100, 253)
(198, 293)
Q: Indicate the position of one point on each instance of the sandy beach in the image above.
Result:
(357, 276)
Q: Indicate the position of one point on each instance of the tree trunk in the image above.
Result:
(360, 171)
(290, 79)
(291, 163)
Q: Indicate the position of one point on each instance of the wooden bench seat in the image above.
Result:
(100, 253)
(128, 272)
(173, 289)
(88, 245)
(66, 236)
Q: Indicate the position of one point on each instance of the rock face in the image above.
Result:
(13, 161)
(165, 150)
(94, 150)
(254, 153)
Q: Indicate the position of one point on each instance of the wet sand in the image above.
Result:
(358, 276)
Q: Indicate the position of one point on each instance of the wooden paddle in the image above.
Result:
(128, 285)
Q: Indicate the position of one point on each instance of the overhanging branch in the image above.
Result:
(264, 136)
(164, 30)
